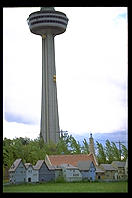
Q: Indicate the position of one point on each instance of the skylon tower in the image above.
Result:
(48, 23)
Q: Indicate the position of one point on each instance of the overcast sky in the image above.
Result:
(91, 71)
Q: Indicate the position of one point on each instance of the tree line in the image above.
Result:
(33, 150)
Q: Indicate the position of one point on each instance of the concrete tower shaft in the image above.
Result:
(48, 23)
(49, 107)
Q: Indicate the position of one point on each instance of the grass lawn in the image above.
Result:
(69, 187)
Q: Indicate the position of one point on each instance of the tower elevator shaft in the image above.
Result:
(49, 107)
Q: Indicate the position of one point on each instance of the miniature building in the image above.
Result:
(58, 173)
(70, 167)
(87, 169)
(31, 173)
(55, 160)
(120, 167)
(17, 172)
(45, 173)
(109, 172)
(71, 173)
(126, 169)
(100, 174)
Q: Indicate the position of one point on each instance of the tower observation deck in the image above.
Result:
(48, 23)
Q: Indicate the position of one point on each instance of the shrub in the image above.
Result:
(60, 179)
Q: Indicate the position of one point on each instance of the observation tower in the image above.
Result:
(48, 23)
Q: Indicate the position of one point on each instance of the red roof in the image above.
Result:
(70, 159)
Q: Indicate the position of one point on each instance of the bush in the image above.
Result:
(60, 179)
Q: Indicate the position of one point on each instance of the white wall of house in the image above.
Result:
(71, 174)
(19, 175)
(31, 174)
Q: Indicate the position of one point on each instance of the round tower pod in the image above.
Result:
(47, 21)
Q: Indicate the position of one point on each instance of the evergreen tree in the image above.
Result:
(116, 152)
(124, 152)
(62, 146)
(109, 152)
(85, 147)
(101, 156)
(74, 146)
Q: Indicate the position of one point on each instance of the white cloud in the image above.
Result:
(14, 130)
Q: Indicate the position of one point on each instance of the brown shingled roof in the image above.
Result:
(70, 159)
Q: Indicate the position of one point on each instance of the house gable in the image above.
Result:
(120, 166)
(18, 174)
(46, 174)
(87, 169)
(31, 173)
(86, 165)
(109, 172)
(15, 165)
(71, 173)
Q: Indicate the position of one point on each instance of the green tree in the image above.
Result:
(115, 152)
(62, 146)
(85, 147)
(7, 153)
(18, 148)
(109, 151)
(24, 141)
(51, 148)
(24, 148)
(124, 152)
(36, 150)
(101, 156)
(74, 146)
